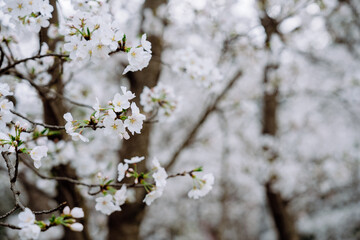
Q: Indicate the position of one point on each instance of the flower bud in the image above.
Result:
(24, 127)
(66, 210)
(77, 227)
(77, 212)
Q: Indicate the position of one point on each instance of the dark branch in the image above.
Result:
(9, 226)
(11, 172)
(9, 212)
(50, 210)
(191, 134)
(5, 69)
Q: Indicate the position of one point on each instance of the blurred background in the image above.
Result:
(268, 100)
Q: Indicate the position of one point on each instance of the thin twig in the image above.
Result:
(70, 100)
(50, 210)
(70, 180)
(190, 173)
(9, 226)
(9, 212)
(38, 123)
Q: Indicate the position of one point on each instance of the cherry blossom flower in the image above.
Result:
(202, 187)
(138, 59)
(114, 127)
(154, 194)
(97, 108)
(29, 232)
(5, 90)
(134, 160)
(145, 44)
(6, 105)
(26, 218)
(160, 98)
(5, 117)
(120, 102)
(160, 177)
(120, 196)
(121, 171)
(106, 205)
(37, 153)
(135, 122)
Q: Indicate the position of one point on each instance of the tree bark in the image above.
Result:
(54, 109)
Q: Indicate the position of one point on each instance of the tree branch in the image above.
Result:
(9, 226)
(5, 69)
(11, 172)
(50, 210)
(200, 122)
(9, 212)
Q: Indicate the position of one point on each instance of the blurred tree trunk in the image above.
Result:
(284, 223)
(125, 225)
(54, 109)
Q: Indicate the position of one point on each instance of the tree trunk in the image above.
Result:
(125, 225)
(284, 223)
(54, 109)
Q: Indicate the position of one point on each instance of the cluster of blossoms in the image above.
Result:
(32, 14)
(11, 142)
(200, 69)
(8, 142)
(160, 176)
(160, 99)
(116, 118)
(92, 37)
(30, 228)
(112, 200)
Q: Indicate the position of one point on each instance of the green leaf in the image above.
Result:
(199, 169)
(108, 182)
(44, 131)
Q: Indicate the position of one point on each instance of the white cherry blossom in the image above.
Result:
(134, 160)
(134, 123)
(121, 171)
(26, 218)
(106, 205)
(37, 153)
(202, 187)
